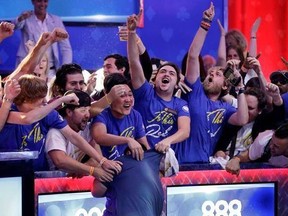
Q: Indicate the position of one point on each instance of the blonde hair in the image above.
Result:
(33, 88)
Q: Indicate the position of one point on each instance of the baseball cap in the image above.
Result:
(279, 77)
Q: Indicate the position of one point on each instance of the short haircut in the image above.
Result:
(120, 62)
(114, 79)
(84, 101)
(172, 65)
(32, 87)
(282, 131)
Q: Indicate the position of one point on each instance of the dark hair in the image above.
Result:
(114, 79)
(253, 82)
(259, 94)
(61, 77)
(282, 131)
(239, 52)
(120, 62)
(84, 101)
(238, 37)
(172, 65)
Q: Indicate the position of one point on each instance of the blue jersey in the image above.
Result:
(137, 190)
(285, 102)
(207, 120)
(159, 116)
(31, 137)
(129, 126)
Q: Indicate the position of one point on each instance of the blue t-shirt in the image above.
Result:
(285, 102)
(31, 137)
(137, 190)
(207, 120)
(159, 116)
(129, 126)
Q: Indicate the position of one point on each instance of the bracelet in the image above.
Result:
(240, 91)
(102, 161)
(7, 99)
(206, 20)
(132, 32)
(205, 25)
(253, 37)
(107, 99)
(91, 170)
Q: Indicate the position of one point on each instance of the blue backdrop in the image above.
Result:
(169, 27)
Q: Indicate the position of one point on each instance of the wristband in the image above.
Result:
(7, 99)
(240, 91)
(91, 170)
(253, 37)
(102, 161)
(205, 25)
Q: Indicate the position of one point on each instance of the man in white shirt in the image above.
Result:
(64, 155)
(265, 148)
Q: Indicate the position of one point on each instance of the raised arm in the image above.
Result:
(10, 91)
(241, 116)
(193, 67)
(253, 38)
(28, 64)
(6, 30)
(136, 71)
(221, 60)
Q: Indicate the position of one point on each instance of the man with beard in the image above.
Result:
(165, 117)
(64, 155)
(208, 113)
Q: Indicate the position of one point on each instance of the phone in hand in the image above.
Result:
(229, 75)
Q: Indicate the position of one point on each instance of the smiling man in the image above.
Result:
(119, 126)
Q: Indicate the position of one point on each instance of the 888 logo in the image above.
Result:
(222, 208)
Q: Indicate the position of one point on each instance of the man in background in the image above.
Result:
(32, 24)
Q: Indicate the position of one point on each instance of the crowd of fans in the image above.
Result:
(212, 107)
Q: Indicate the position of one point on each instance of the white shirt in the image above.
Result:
(55, 140)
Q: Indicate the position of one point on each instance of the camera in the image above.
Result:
(229, 75)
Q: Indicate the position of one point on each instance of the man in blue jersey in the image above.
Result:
(125, 196)
(32, 136)
(165, 116)
(119, 125)
(208, 112)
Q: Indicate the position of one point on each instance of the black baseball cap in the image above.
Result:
(279, 77)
